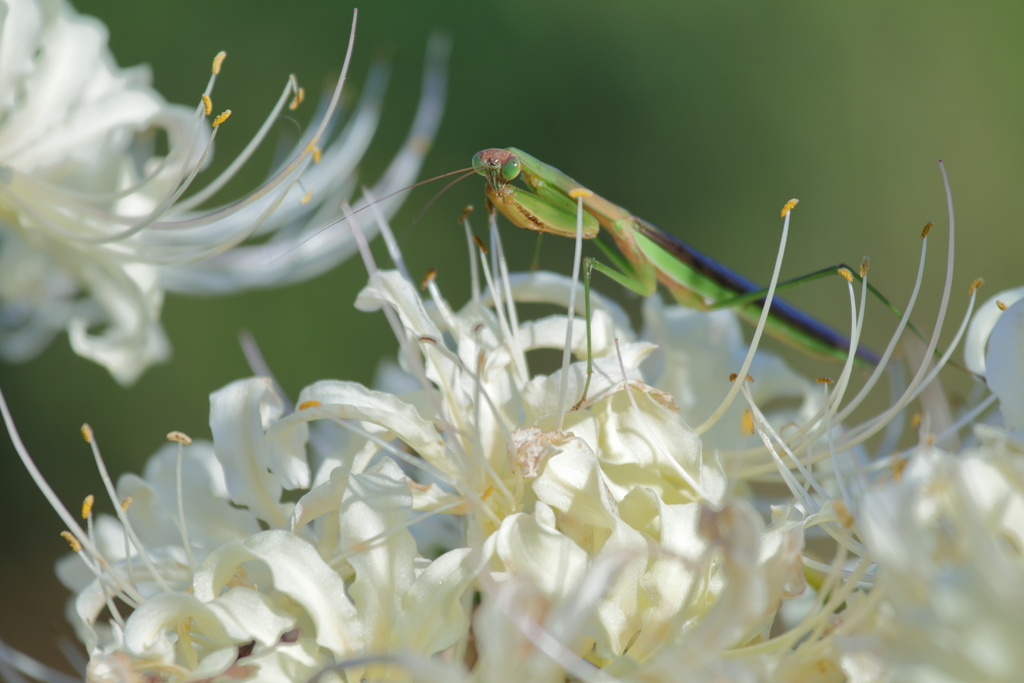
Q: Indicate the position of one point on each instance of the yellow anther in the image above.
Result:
(180, 437)
(1000, 305)
(87, 433)
(72, 541)
(306, 197)
(222, 117)
(845, 516)
(487, 493)
(580, 192)
(317, 155)
(747, 423)
(845, 272)
(480, 244)
(87, 506)
(420, 144)
(897, 467)
(974, 286)
(864, 267)
(431, 274)
(915, 421)
(207, 104)
(789, 206)
(824, 380)
(309, 404)
(125, 503)
(465, 212)
(300, 95)
(930, 440)
(926, 229)
(218, 60)
(733, 376)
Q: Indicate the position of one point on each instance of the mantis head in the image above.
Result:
(499, 166)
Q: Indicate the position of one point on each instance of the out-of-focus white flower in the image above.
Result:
(948, 539)
(93, 229)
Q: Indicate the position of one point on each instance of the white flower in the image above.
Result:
(948, 537)
(92, 227)
(615, 522)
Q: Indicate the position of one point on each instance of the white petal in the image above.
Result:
(247, 614)
(237, 422)
(572, 482)
(131, 305)
(353, 401)
(152, 619)
(1004, 364)
(299, 572)
(540, 395)
(432, 617)
(981, 327)
(211, 520)
(533, 548)
(320, 500)
(18, 42)
(374, 506)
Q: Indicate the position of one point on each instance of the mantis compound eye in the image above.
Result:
(510, 169)
(479, 165)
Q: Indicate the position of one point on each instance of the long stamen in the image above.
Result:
(499, 419)
(69, 520)
(97, 572)
(499, 310)
(389, 237)
(183, 440)
(878, 423)
(510, 303)
(122, 512)
(14, 663)
(764, 430)
(735, 388)
(228, 173)
(473, 268)
(832, 449)
(563, 389)
(856, 325)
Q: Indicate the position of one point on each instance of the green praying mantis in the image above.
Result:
(645, 255)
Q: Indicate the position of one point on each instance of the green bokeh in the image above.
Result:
(702, 117)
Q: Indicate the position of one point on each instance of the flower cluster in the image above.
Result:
(469, 519)
(94, 227)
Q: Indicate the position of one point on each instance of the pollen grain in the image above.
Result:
(221, 118)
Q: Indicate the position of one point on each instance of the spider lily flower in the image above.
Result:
(226, 579)
(95, 228)
(608, 539)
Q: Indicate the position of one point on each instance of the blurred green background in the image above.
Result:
(703, 117)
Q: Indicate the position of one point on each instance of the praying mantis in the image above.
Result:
(645, 255)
